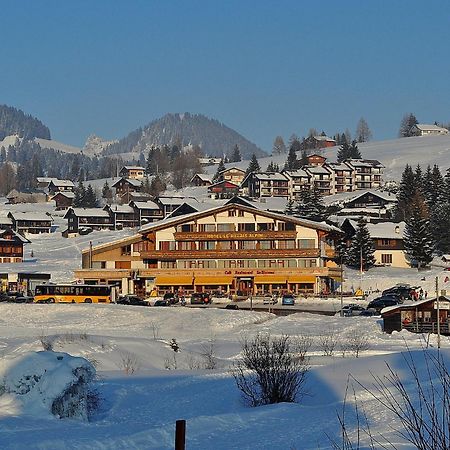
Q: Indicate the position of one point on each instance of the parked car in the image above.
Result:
(402, 291)
(171, 297)
(84, 230)
(162, 302)
(368, 313)
(23, 299)
(200, 298)
(232, 306)
(351, 310)
(133, 300)
(382, 302)
(288, 300)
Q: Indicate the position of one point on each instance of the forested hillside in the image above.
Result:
(14, 121)
(214, 138)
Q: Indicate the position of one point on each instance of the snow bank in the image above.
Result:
(44, 383)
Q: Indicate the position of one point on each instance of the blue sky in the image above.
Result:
(262, 67)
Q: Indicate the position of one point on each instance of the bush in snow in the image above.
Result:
(49, 382)
(129, 362)
(272, 370)
(328, 342)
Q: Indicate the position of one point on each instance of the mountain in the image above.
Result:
(213, 137)
(15, 122)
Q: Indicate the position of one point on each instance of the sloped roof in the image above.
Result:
(203, 177)
(62, 183)
(123, 209)
(408, 305)
(132, 168)
(427, 127)
(67, 194)
(87, 212)
(145, 205)
(30, 216)
(324, 138)
(132, 181)
(386, 230)
(174, 200)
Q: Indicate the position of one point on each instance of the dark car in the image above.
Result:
(403, 292)
(84, 230)
(162, 302)
(200, 298)
(288, 300)
(368, 313)
(232, 306)
(23, 299)
(352, 310)
(171, 297)
(382, 302)
(132, 300)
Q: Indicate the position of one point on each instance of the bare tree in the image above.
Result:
(358, 342)
(272, 370)
(279, 146)
(129, 362)
(208, 353)
(328, 342)
(363, 133)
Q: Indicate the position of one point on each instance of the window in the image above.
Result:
(187, 227)
(126, 250)
(306, 243)
(241, 213)
(286, 226)
(289, 243)
(246, 227)
(386, 258)
(167, 245)
(247, 245)
(186, 245)
(225, 227)
(207, 245)
(168, 264)
(266, 245)
(385, 242)
(268, 226)
(231, 213)
(208, 227)
(227, 245)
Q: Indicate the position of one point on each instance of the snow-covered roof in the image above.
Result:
(339, 166)
(228, 169)
(132, 168)
(67, 194)
(427, 127)
(317, 170)
(145, 205)
(173, 200)
(5, 220)
(386, 230)
(364, 163)
(324, 138)
(62, 183)
(17, 235)
(88, 212)
(296, 173)
(270, 176)
(346, 197)
(132, 181)
(203, 177)
(45, 179)
(123, 209)
(30, 216)
(409, 304)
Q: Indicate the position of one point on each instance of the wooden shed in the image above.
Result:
(418, 317)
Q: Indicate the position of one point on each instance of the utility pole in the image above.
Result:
(342, 288)
(438, 315)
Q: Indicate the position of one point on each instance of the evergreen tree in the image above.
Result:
(90, 199)
(427, 184)
(289, 209)
(310, 205)
(235, 154)
(80, 194)
(253, 166)
(417, 238)
(220, 168)
(341, 250)
(361, 250)
(157, 186)
(304, 159)
(438, 193)
(354, 150)
(406, 194)
(145, 185)
(447, 186)
(440, 226)
(343, 152)
(107, 192)
(408, 121)
(363, 133)
(292, 161)
(419, 178)
(272, 167)
(279, 148)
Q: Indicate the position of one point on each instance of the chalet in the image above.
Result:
(146, 212)
(418, 317)
(28, 196)
(422, 129)
(11, 246)
(320, 178)
(94, 218)
(233, 174)
(63, 199)
(371, 199)
(124, 186)
(298, 181)
(132, 172)
(313, 142)
(122, 216)
(366, 172)
(43, 182)
(316, 160)
(223, 189)
(31, 222)
(266, 184)
(56, 186)
(200, 179)
(235, 248)
(168, 204)
(209, 161)
(5, 222)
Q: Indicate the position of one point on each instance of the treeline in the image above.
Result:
(14, 121)
(424, 204)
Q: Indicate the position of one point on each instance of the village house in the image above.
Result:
(418, 317)
(232, 248)
(342, 178)
(63, 199)
(31, 222)
(122, 216)
(25, 282)
(168, 204)
(5, 222)
(316, 142)
(232, 174)
(320, 178)
(11, 246)
(366, 172)
(299, 180)
(56, 186)
(93, 218)
(125, 186)
(265, 184)
(146, 212)
(200, 179)
(28, 196)
(316, 160)
(422, 129)
(223, 189)
(43, 182)
(132, 172)
(209, 161)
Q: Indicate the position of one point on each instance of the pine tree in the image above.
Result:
(90, 198)
(361, 250)
(343, 152)
(440, 226)
(157, 186)
(106, 191)
(341, 251)
(220, 168)
(438, 193)
(235, 154)
(145, 185)
(417, 238)
(289, 210)
(304, 159)
(272, 167)
(253, 166)
(406, 194)
(279, 147)
(354, 150)
(292, 161)
(363, 133)
(310, 205)
(408, 121)
(80, 194)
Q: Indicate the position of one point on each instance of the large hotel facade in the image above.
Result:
(235, 248)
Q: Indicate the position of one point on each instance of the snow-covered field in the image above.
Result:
(139, 410)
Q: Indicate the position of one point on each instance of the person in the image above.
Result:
(426, 294)
(421, 294)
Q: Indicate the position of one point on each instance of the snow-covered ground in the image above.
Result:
(138, 411)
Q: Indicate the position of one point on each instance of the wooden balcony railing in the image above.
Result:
(233, 235)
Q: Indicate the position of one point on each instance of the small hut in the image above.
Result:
(418, 317)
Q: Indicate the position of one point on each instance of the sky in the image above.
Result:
(264, 68)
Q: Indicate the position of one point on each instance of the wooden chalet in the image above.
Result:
(169, 204)
(266, 184)
(31, 222)
(418, 317)
(94, 218)
(124, 186)
(223, 189)
(132, 172)
(235, 248)
(28, 196)
(11, 246)
(122, 216)
(233, 174)
(316, 160)
(146, 212)
(63, 199)
(200, 179)
(56, 186)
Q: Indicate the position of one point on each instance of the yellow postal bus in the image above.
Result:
(72, 293)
